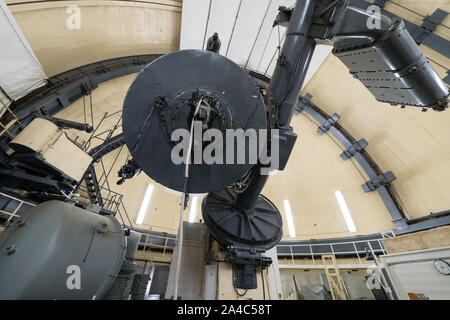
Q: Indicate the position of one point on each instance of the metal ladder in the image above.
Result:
(92, 186)
(336, 287)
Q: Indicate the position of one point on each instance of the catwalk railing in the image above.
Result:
(361, 249)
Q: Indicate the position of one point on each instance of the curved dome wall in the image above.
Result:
(314, 172)
(108, 29)
(414, 145)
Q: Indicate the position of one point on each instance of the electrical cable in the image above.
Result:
(145, 124)
(142, 130)
(84, 109)
(265, 48)
(267, 282)
(92, 112)
(263, 286)
(207, 24)
(183, 200)
(235, 289)
(354, 164)
(90, 243)
(240, 294)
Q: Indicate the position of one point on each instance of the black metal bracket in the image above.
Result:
(108, 146)
(88, 85)
(247, 255)
(429, 25)
(67, 124)
(245, 261)
(354, 148)
(330, 122)
(283, 17)
(302, 103)
(381, 180)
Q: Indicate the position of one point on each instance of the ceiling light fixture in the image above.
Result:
(193, 210)
(345, 212)
(289, 218)
(144, 204)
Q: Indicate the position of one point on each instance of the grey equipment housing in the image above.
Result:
(395, 71)
(44, 248)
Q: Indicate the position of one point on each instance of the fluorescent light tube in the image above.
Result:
(193, 210)
(289, 218)
(345, 212)
(144, 204)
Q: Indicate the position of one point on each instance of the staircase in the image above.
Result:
(93, 189)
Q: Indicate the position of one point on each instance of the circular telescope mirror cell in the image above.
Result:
(161, 103)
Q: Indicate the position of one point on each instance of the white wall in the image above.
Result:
(413, 272)
(274, 275)
(20, 71)
(245, 30)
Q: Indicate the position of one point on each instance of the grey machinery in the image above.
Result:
(52, 244)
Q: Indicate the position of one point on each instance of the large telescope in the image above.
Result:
(204, 87)
(194, 86)
(190, 103)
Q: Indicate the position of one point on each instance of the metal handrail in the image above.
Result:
(15, 120)
(13, 213)
(150, 245)
(118, 202)
(119, 207)
(291, 255)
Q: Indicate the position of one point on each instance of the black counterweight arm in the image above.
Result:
(284, 90)
(295, 56)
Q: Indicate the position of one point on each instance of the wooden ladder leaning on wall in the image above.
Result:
(336, 288)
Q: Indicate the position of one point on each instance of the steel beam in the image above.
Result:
(108, 146)
(424, 225)
(429, 25)
(355, 148)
